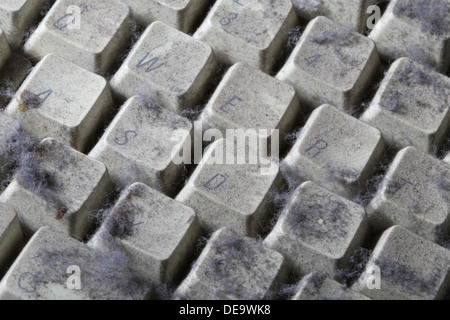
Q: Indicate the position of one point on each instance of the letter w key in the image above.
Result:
(151, 63)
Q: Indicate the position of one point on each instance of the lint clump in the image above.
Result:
(432, 15)
(20, 154)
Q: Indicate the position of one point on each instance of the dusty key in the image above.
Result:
(68, 108)
(411, 107)
(405, 266)
(10, 235)
(139, 146)
(5, 51)
(233, 267)
(252, 31)
(53, 266)
(180, 14)
(59, 187)
(16, 16)
(336, 151)
(225, 192)
(156, 233)
(330, 64)
(352, 13)
(166, 65)
(315, 286)
(247, 98)
(415, 194)
(87, 33)
(318, 230)
(418, 29)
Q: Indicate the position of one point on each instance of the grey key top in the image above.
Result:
(330, 64)
(68, 108)
(233, 267)
(156, 233)
(415, 194)
(405, 266)
(168, 66)
(418, 29)
(53, 266)
(58, 187)
(252, 31)
(318, 230)
(87, 33)
(138, 145)
(247, 98)
(336, 151)
(16, 16)
(315, 286)
(353, 13)
(230, 194)
(180, 14)
(411, 107)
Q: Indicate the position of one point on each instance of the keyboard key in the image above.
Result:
(168, 66)
(252, 31)
(415, 194)
(16, 16)
(408, 267)
(351, 13)
(5, 51)
(411, 107)
(318, 230)
(233, 267)
(315, 286)
(53, 266)
(250, 99)
(180, 14)
(59, 187)
(68, 108)
(87, 33)
(418, 29)
(10, 235)
(138, 146)
(330, 64)
(156, 233)
(336, 151)
(225, 193)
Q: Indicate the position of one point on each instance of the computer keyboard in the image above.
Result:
(228, 149)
